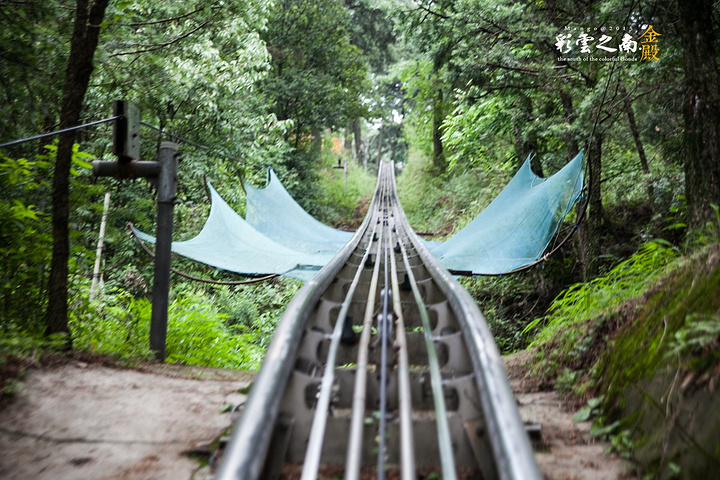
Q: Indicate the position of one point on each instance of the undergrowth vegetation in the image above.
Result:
(442, 204)
(340, 198)
(563, 321)
(577, 324)
(197, 334)
(639, 344)
(208, 325)
(228, 327)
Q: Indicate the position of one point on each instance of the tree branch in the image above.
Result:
(157, 46)
(526, 71)
(431, 12)
(167, 20)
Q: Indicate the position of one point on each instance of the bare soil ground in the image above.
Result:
(76, 418)
(80, 420)
(566, 450)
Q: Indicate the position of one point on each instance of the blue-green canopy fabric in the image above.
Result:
(274, 213)
(280, 237)
(228, 242)
(516, 228)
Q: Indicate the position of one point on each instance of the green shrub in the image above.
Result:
(23, 342)
(25, 241)
(197, 335)
(576, 325)
(506, 302)
(119, 325)
(584, 301)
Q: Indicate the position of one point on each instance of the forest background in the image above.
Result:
(456, 93)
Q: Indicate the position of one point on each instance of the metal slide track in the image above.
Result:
(382, 365)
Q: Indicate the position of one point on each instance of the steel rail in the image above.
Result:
(407, 452)
(385, 336)
(317, 433)
(512, 452)
(443, 428)
(352, 471)
(441, 394)
(240, 462)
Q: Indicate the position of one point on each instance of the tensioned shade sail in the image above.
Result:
(228, 242)
(274, 213)
(516, 228)
(280, 237)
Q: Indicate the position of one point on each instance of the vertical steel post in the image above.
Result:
(166, 190)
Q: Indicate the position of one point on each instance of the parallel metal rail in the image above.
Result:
(381, 365)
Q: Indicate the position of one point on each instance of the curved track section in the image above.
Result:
(381, 366)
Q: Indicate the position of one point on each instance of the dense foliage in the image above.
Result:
(456, 93)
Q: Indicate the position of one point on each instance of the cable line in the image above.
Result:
(203, 147)
(58, 132)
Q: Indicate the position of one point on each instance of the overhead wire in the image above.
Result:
(200, 146)
(58, 132)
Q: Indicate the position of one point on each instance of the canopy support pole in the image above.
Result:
(166, 191)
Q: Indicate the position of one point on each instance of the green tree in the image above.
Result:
(85, 37)
(701, 111)
(193, 72)
(317, 74)
(514, 94)
(33, 48)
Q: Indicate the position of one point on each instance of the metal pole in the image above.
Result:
(98, 253)
(167, 187)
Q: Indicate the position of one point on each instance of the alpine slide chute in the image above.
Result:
(382, 364)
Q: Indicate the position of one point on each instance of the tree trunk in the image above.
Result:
(565, 97)
(569, 117)
(701, 111)
(582, 239)
(347, 147)
(380, 144)
(636, 136)
(84, 42)
(595, 214)
(634, 128)
(393, 149)
(438, 116)
(359, 151)
(524, 147)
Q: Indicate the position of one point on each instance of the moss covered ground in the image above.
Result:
(648, 366)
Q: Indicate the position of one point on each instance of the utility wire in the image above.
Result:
(197, 145)
(58, 132)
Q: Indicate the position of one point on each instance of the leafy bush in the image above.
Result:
(584, 301)
(255, 309)
(506, 303)
(197, 335)
(25, 233)
(25, 241)
(23, 342)
(119, 325)
(576, 325)
(116, 325)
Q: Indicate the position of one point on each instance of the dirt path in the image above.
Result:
(566, 450)
(87, 421)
